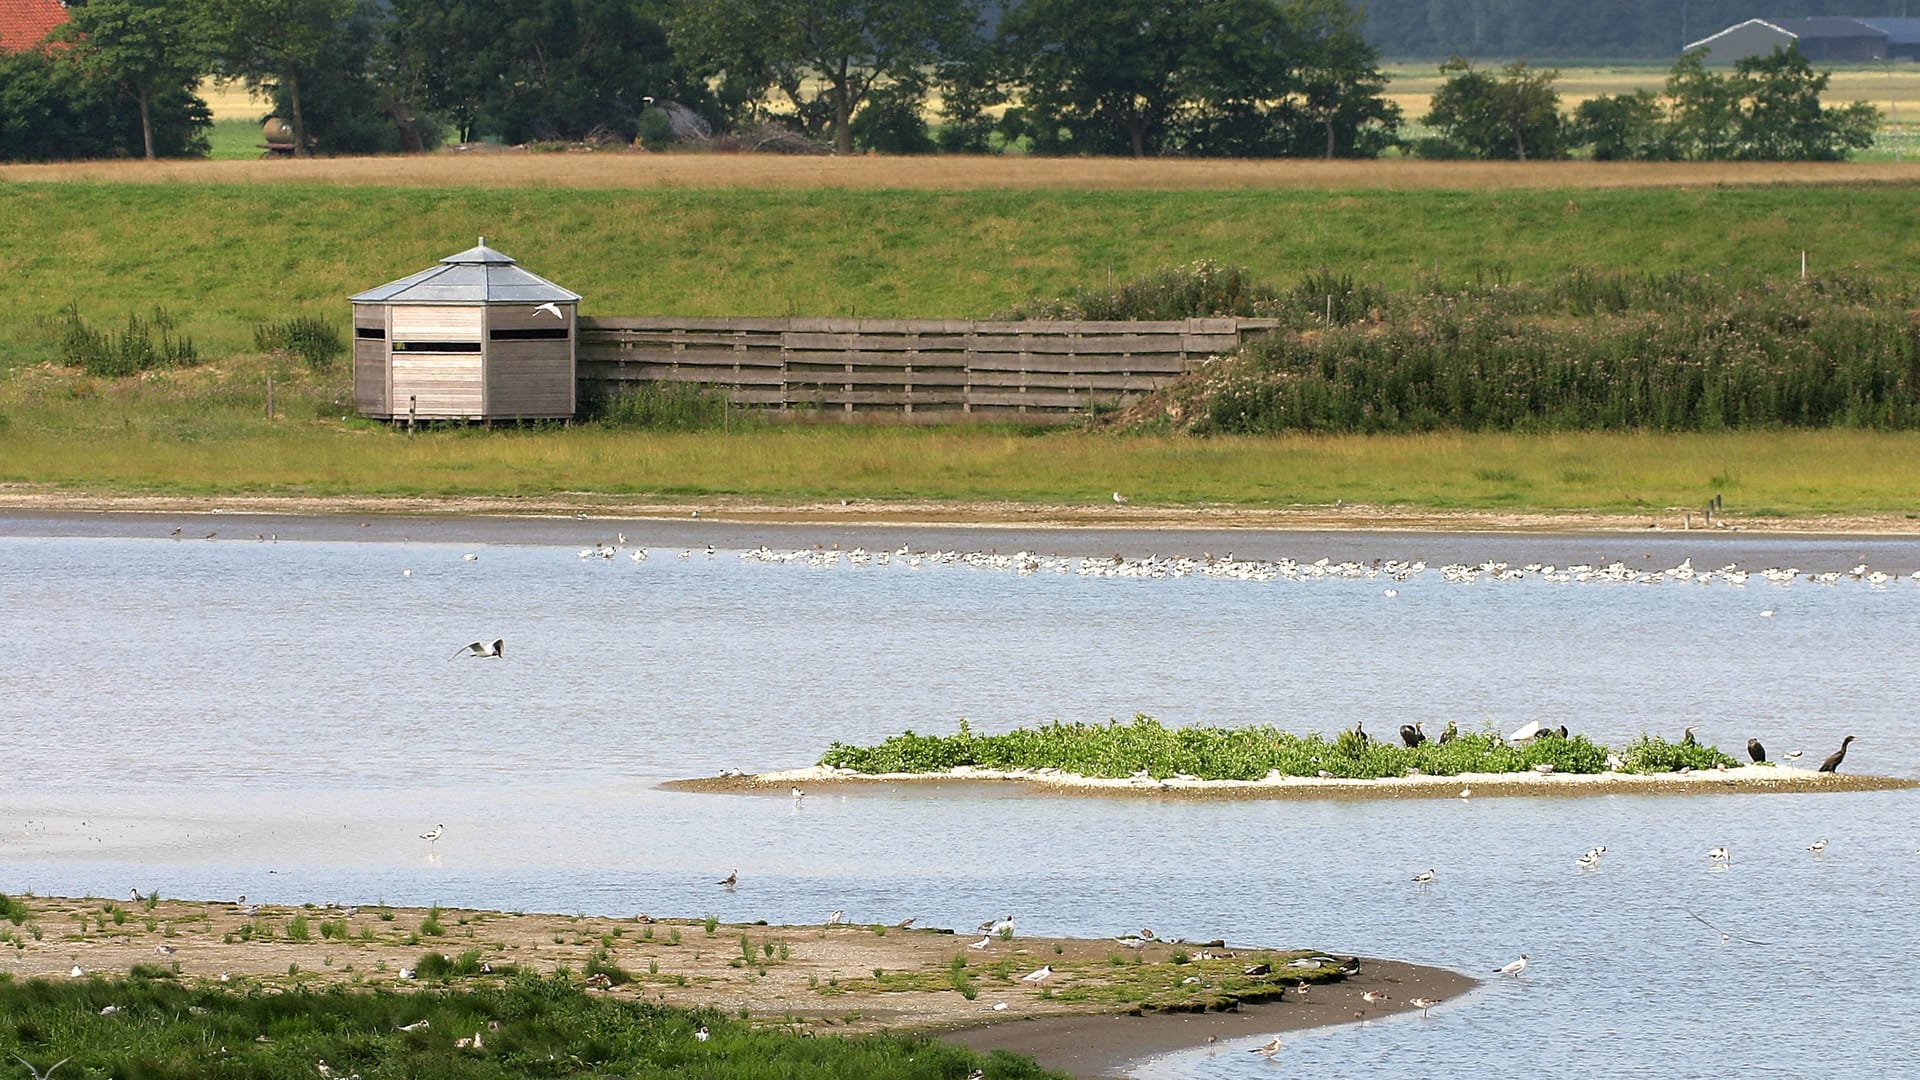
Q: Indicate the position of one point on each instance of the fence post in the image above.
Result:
(269, 397)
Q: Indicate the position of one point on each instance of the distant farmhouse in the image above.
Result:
(24, 24)
(1833, 39)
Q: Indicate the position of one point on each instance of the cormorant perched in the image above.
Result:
(1832, 764)
(1360, 731)
(1412, 736)
(1447, 735)
(1688, 740)
(1755, 750)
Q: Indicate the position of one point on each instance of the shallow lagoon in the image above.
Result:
(281, 718)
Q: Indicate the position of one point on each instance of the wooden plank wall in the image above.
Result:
(899, 369)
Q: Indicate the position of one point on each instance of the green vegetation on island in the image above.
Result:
(152, 1026)
(1116, 750)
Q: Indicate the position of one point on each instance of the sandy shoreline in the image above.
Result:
(1153, 999)
(1747, 779)
(29, 497)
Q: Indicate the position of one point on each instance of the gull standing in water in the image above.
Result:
(732, 879)
(1270, 1049)
(1514, 968)
(1818, 846)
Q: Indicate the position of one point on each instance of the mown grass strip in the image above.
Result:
(1145, 746)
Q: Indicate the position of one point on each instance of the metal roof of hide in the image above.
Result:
(478, 275)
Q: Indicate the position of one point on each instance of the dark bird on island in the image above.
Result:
(1258, 969)
(1563, 731)
(481, 649)
(1755, 751)
(730, 880)
(1360, 730)
(1688, 738)
(1448, 735)
(1832, 764)
(1412, 735)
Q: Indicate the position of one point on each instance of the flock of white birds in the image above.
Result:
(1027, 563)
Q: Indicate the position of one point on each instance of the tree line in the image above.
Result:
(1228, 78)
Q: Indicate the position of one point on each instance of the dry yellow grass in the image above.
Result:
(1895, 89)
(691, 170)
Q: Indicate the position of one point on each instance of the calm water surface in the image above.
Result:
(280, 719)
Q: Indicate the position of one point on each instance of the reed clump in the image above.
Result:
(147, 342)
(1588, 351)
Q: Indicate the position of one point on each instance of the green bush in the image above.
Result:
(1200, 289)
(1652, 754)
(1145, 746)
(145, 344)
(316, 341)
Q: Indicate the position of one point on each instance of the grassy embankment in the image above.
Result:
(1115, 750)
(222, 258)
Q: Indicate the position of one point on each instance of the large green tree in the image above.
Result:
(146, 49)
(540, 69)
(825, 56)
(1200, 77)
(275, 44)
(1514, 115)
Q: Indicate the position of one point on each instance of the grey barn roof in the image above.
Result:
(478, 275)
(1827, 26)
(1898, 31)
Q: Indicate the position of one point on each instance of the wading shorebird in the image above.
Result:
(1424, 879)
(481, 649)
(1424, 1003)
(1818, 846)
(1720, 855)
(433, 834)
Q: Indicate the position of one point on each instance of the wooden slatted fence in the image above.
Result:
(912, 370)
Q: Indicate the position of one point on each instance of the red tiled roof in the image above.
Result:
(26, 23)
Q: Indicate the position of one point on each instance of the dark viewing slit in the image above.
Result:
(437, 346)
(377, 333)
(544, 333)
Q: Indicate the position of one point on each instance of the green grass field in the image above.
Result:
(221, 258)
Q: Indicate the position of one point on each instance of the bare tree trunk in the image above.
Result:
(146, 120)
(299, 121)
(842, 112)
(1329, 138)
(1137, 129)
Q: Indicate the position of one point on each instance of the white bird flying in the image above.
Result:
(551, 308)
(495, 651)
